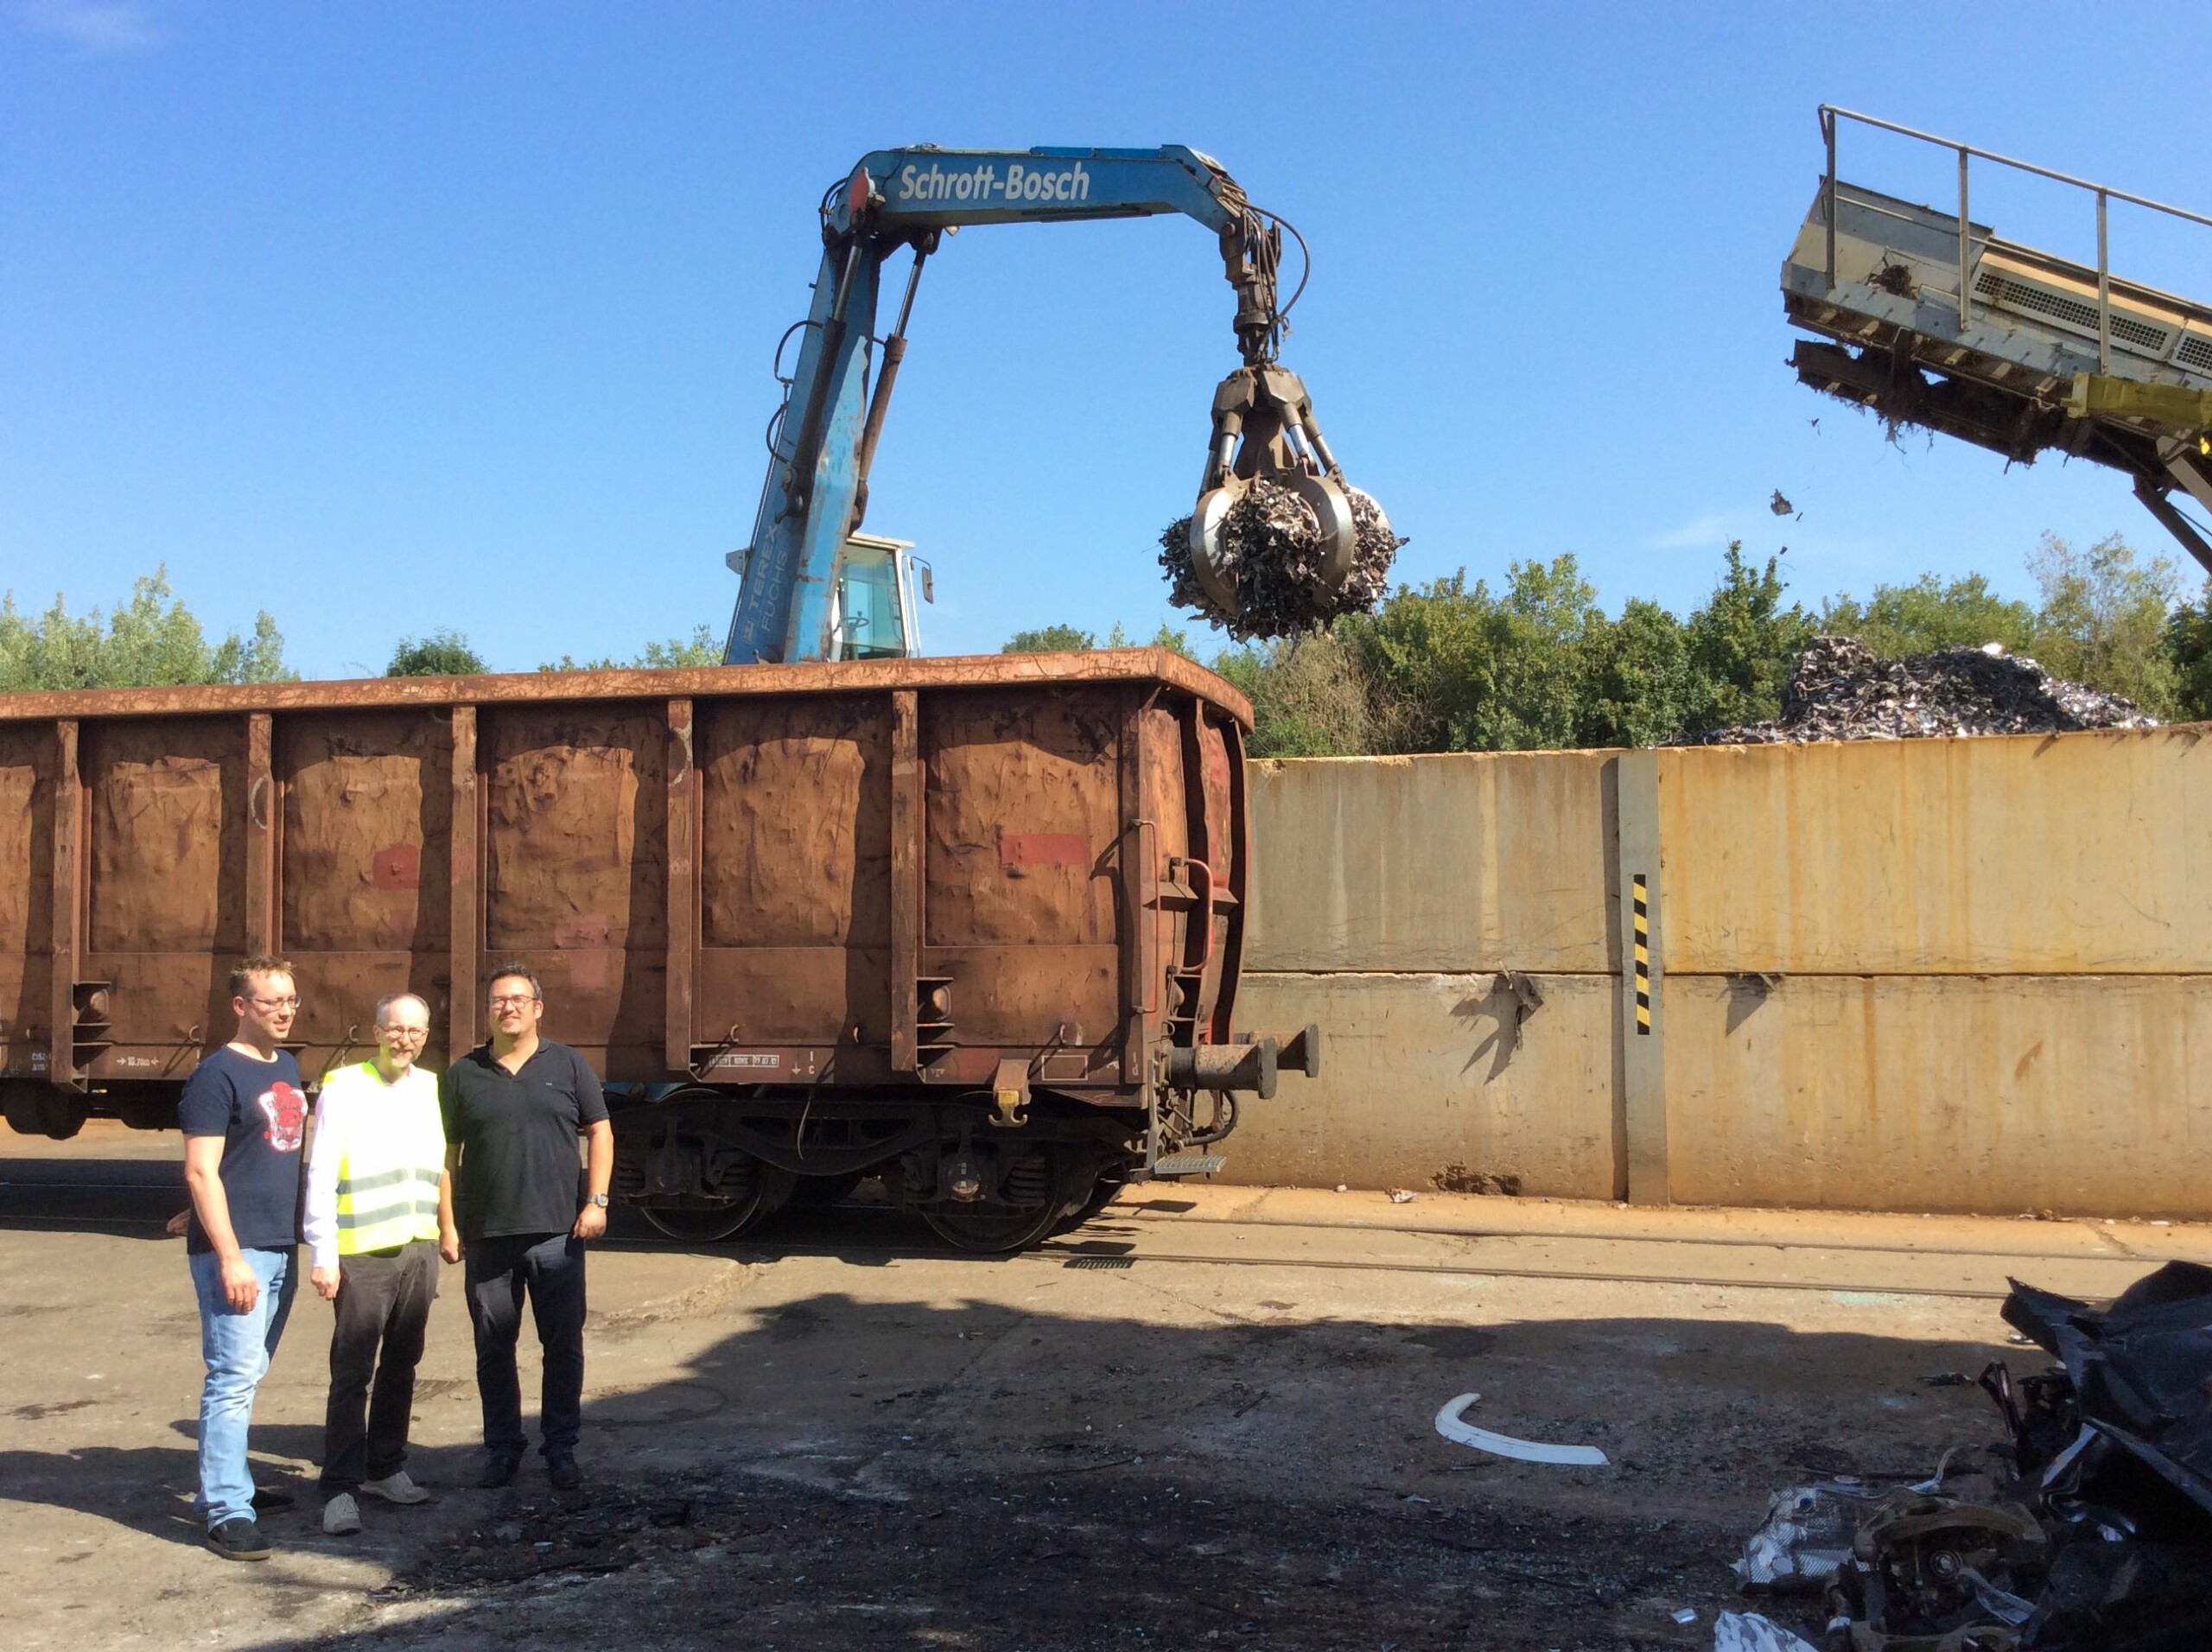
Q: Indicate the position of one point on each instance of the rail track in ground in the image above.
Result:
(139, 1195)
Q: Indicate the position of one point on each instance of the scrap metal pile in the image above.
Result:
(1271, 550)
(2095, 1534)
(1840, 690)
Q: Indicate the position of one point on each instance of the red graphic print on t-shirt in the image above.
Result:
(286, 1109)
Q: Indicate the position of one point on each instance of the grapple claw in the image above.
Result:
(1208, 561)
(1339, 535)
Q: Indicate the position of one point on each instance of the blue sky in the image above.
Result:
(387, 317)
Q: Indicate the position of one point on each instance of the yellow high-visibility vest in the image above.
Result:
(395, 1149)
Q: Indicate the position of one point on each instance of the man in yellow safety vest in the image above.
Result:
(375, 1169)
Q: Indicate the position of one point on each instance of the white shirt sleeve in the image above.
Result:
(319, 1222)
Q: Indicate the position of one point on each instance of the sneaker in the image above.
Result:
(499, 1469)
(563, 1472)
(238, 1539)
(396, 1487)
(266, 1502)
(341, 1515)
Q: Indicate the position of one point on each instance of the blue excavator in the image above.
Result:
(814, 587)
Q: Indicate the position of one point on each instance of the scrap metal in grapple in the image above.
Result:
(1270, 546)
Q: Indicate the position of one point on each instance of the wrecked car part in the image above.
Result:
(1525, 1451)
(1921, 1565)
(2110, 1592)
(1806, 1537)
(2000, 1604)
(2037, 1411)
(2103, 1542)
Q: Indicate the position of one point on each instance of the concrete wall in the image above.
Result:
(1929, 974)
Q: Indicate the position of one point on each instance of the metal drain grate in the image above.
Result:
(1103, 1264)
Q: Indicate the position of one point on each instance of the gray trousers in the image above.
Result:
(384, 1304)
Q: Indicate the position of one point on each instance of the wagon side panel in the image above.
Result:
(573, 802)
(1021, 891)
(793, 976)
(27, 763)
(366, 838)
(166, 886)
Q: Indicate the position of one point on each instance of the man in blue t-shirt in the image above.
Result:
(244, 1116)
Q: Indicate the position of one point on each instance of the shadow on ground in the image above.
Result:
(128, 1198)
(1151, 1460)
(842, 1473)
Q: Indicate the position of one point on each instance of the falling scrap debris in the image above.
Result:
(2095, 1535)
(1840, 690)
(1272, 550)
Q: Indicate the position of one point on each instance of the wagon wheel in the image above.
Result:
(989, 1227)
(702, 1224)
(1111, 1179)
(767, 1189)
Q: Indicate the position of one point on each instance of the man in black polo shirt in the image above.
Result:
(513, 1110)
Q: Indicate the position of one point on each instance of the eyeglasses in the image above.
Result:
(292, 1002)
(513, 1000)
(398, 1033)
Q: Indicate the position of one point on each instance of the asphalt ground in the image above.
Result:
(1204, 1418)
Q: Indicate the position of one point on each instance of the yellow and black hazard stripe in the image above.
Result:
(1643, 956)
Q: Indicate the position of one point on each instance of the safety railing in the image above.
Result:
(1830, 115)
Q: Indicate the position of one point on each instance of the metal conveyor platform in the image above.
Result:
(1930, 319)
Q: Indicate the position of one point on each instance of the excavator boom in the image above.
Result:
(791, 605)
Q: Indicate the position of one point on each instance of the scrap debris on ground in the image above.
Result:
(2092, 1531)
(1271, 547)
(1075, 1556)
(1840, 690)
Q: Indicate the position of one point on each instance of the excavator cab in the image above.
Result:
(875, 612)
(878, 591)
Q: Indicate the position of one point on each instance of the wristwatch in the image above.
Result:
(600, 1199)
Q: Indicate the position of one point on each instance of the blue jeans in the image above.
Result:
(238, 1348)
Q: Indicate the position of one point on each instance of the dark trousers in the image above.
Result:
(550, 1267)
(383, 1303)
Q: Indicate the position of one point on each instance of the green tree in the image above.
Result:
(1540, 636)
(1174, 641)
(1428, 643)
(444, 653)
(1639, 687)
(1478, 672)
(2189, 652)
(700, 648)
(1928, 615)
(148, 640)
(1311, 697)
(1742, 644)
(2104, 618)
(1050, 640)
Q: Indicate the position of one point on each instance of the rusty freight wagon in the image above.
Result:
(969, 924)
